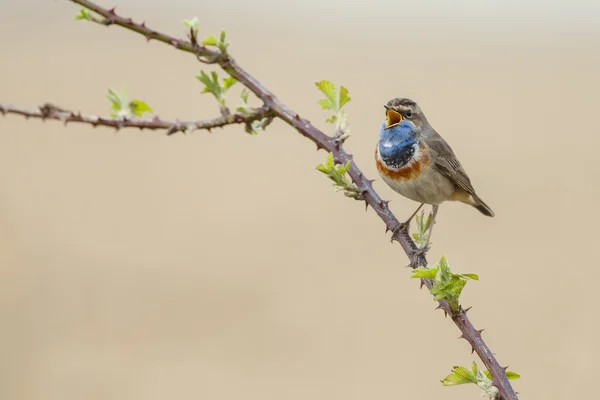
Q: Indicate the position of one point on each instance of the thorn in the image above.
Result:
(174, 43)
(472, 349)
(143, 24)
(385, 203)
(445, 314)
(112, 10)
(461, 337)
(366, 205)
(387, 229)
(270, 96)
(505, 368)
(209, 130)
(439, 307)
(130, 21)
(148, 38)
(479, 331)
(370, 181)
(423, 284)
(297, 117)
(360, 175)
(466, 310)
(351, 157)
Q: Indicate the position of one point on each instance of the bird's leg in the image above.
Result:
(434, 210)
(404, 225)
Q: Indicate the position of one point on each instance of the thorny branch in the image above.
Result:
(52, 112)
(273, 107)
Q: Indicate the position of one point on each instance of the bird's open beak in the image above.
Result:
(393, 118)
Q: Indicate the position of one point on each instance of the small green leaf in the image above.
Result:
(229, 82)
(84, 14)
(223, 43)
(244, 95)
(470, 276)
(118, 103)
(344, 97)
(211, 83)
(329, 161)
(460, 376)
(333, 118)
(424, 273)
(322, 168)
(510, 375)
(329, 91)
(138, 107)
(115, 100)
(210, 40)
(192, 24)
(345, 168)
(325, 104)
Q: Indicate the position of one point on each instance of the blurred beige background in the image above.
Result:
(222, 266)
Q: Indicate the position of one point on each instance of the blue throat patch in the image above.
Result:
(397, 144)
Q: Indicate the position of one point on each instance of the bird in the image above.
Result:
(416, 162)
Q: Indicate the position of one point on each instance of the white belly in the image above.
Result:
(430, 187)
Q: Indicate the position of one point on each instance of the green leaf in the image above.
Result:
(509, 374)
(460, 376)
(244, 95)
(138, 107)
(345, 168)
(223, 43)
(329, 161)
(333, 118)
(329, 91)
(424, 273)
(210, 40)
(84, 14)
(118, 103)
(344, 97)
(211, 83)
(229, 82)
(192, 24)
(114, 98)
(322, 168)
(470, 276)
(325, 104)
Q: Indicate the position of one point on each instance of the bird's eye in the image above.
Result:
(408, 114)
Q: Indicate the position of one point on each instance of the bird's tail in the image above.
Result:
(481, 206)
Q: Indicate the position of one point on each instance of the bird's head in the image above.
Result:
(403, 114)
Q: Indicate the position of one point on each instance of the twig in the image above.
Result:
(52, 112)
(274, 107)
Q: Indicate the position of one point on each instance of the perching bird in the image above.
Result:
(415, 161)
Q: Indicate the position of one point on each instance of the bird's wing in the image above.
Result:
(447, 163)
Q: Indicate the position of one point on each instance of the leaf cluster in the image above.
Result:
(420, 236)
(483, 379)
(338, 175)
(334, 101)
(122, 108)
(446, 285)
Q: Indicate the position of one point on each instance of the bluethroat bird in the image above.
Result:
(415, 161)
